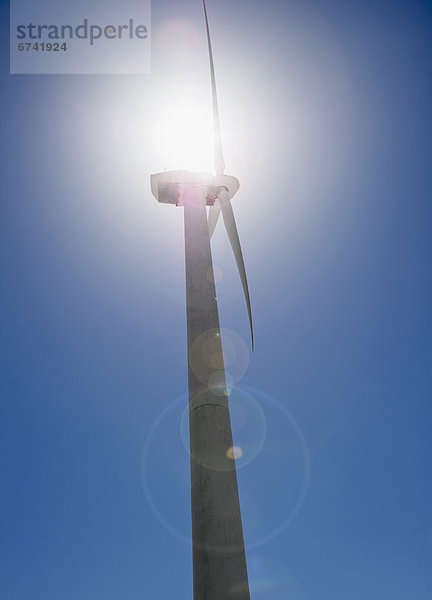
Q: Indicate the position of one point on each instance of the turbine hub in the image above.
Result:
(169, 187)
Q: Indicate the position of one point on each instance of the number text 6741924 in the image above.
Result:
(42, 47)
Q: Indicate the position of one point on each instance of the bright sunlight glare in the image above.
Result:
(184, 134)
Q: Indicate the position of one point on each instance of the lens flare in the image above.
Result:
(205, 355)
(268, 450)
(234, 452)
(248, 426)
(175, 33)
(220, 383)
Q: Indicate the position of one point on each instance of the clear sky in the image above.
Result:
(326, 118)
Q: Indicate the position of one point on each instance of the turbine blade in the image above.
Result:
(231, 228)
(213, 217)
(219, 159)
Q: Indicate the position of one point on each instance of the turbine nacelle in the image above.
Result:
(169, 187)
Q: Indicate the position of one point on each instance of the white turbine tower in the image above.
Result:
(219, 563)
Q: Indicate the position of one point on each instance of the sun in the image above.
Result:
(184, 135)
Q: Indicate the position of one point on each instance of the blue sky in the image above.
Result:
(325, 110)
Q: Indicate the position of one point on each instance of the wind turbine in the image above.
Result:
(219, 562)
